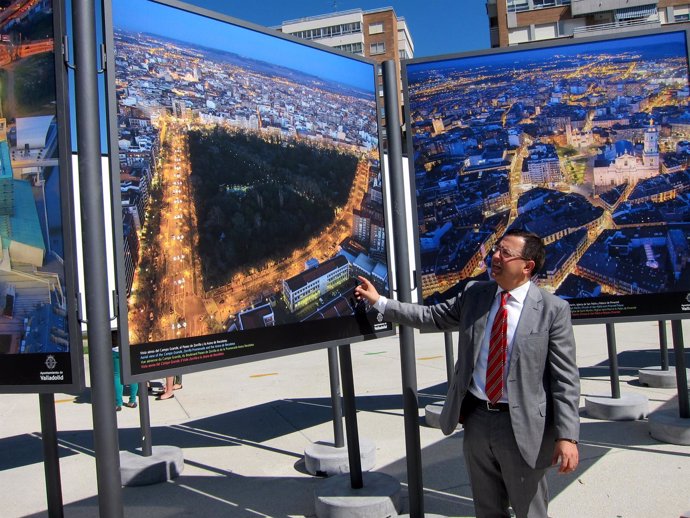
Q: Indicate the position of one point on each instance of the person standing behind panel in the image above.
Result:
(119, 387)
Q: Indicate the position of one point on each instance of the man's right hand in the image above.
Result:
(366, 291)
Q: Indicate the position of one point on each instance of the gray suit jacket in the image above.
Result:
(544, 383)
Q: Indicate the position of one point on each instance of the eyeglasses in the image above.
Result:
(506, 253)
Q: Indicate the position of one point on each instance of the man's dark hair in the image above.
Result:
(534, 249)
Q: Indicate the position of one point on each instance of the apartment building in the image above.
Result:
(377, 33)
(512, 22)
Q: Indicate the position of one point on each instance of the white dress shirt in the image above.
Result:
(514, 306)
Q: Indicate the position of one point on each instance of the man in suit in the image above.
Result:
(516, 386)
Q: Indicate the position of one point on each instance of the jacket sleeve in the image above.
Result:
(444, 316)
(565, 378)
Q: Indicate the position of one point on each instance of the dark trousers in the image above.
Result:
(499, 476)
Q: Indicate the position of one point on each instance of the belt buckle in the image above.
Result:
(490, 407)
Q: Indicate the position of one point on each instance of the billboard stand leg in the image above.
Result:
(666, 425)
(51, 457)
(338, 495)
(323, 458)
(94, 246)
(681, 372)
(153, 464)
(613, 360)
(145, 421)
(663, 344)
(401, 249)
(659, 376)
(336, 398)
(450, 357)
(625, 407)
(432, 412)
(351, 417)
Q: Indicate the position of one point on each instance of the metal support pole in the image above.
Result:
(336, 398)
(96, 275)
(663, 344)
(613, 360)
(145, 420)
(51, 456)
(402, 278)
(450, 356)
(681, 373)
(353, 453)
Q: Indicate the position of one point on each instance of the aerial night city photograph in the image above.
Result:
(585, 144)
(33, 303)
(250, 176)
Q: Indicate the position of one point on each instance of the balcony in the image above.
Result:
(494, 37)
(584, 7)
(518, 6)
(616, 27)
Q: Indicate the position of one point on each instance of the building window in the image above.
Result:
(517, 6)
(681, 13)
(518, 35)
(377, 48)
(352, 48)
(545, 31)
(376, 28)
(403, 54)
(330, 31)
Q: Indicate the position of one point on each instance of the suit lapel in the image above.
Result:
(482, 307)
(529, 318)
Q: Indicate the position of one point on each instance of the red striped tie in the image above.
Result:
(498, 343)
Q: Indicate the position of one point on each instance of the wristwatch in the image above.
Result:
(569, 440)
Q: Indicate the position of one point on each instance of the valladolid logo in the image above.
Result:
(381, 324)
(686, 307)
(51, 374)
(51, 362)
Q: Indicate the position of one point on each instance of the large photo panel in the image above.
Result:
(40, 340)
(248, 169)
(584, 142)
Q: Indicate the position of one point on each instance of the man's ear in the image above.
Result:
(530, 266)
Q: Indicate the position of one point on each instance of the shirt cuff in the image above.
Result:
(380, 305)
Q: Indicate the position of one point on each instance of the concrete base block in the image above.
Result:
(324, 459)
(629, 407)
(379, 497)
(165, 463)
(657, 378)
(667, 426)
(432, 414)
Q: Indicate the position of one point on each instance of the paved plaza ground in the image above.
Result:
(243, 431)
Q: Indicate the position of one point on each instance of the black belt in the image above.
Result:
(474, 402)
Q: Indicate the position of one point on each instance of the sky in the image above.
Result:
(437, 26)
(650, 47)
(207, 32)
